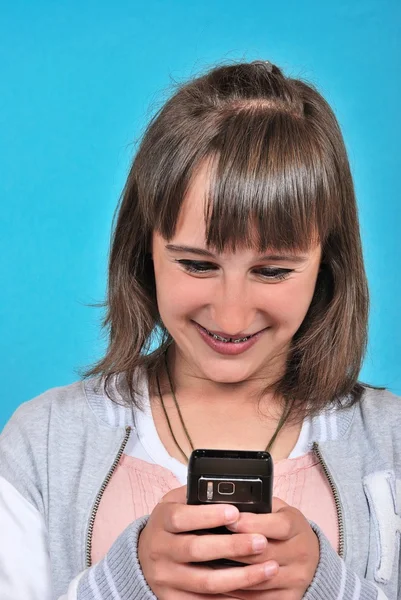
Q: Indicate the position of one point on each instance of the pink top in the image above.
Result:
(137, 486)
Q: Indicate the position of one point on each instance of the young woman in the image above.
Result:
(237, 311)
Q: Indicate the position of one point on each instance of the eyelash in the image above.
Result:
(199, 267)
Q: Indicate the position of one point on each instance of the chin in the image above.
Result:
(226, 374)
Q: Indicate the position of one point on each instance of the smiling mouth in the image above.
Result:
(228, 340)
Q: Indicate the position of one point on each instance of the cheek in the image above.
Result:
(178, 294)
(291, 302)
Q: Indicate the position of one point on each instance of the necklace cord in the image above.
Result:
(176, 403)
(282, 421)
(168, 420)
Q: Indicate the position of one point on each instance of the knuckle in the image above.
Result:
(207, 585)
(175, 519)
(159, 578)
(192, 551)
(303, 555)
(286, 526)
(289, 595)
(166, 498)
(236, 546)
(252, 577)
(301, 580)
(241, 546)
(154, 555)
(156, 513)
(298, 518)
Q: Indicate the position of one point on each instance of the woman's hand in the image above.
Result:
(292, 543)
(166, 551)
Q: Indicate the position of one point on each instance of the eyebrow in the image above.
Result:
(202, 252)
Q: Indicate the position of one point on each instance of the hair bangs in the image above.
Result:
(269, 184)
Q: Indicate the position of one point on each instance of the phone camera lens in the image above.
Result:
(226, 488)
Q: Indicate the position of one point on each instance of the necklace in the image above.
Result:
(281, 422)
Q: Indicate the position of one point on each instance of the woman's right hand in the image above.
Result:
(166, 551)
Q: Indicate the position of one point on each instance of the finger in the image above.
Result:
(177, 495)
(180, 518)
(278, 504)
(201, 548)
(189, 596)
(207, 597)
(284, 553)
(266, 594)
(204, 580)
(281, 525)
(286, 578)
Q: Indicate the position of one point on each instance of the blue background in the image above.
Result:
(79, 80)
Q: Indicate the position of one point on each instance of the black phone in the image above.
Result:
(240, 477)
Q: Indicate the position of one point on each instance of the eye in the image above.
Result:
(274, 273)
(196, 266)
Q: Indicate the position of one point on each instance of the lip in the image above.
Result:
(227, 348)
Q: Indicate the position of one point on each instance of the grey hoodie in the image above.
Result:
(59, 451)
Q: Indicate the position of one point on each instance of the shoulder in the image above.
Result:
(76, 406)
(33, 417)
(60, 427)
(381, 405)
(378, 416)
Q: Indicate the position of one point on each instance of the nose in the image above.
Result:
(232, 311)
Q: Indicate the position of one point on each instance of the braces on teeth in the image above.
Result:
(226, 340)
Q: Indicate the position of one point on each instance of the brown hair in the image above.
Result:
(279, 161)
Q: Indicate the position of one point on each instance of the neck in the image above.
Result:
(192, 387)
(205, 405)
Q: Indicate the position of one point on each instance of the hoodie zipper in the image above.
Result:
(340, 515)
(88, 545)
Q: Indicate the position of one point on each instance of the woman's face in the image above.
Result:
(231, 295)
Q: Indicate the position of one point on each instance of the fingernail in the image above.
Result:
(259, 543)
(231, 514)
(271, 569)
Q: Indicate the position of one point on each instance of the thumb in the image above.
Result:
(178, 495)
(278, 504)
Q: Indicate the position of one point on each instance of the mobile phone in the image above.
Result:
(240, 477)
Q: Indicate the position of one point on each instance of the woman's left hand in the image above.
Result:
(291, 542)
